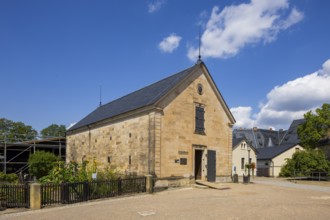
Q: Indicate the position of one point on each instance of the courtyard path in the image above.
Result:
(252, 201)
(285, 183)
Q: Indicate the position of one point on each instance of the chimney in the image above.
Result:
(255, 128)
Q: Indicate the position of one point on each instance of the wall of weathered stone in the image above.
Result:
(164, 135)
(178, 130)
(118, 141)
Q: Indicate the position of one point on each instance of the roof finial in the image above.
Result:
(199, 47)
(100, 96)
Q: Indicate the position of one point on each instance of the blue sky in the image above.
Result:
(268, 58)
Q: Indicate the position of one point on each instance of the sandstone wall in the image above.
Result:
(178, 138)
(119, 141)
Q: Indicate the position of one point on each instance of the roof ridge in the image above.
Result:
(142, 97)
(136, 91)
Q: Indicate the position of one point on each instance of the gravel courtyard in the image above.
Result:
(264, 199)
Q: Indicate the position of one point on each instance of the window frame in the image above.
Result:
(200, 119)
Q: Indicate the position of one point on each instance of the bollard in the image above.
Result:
(35, 196)
(149, 184)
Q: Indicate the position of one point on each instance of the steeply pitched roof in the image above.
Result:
(146, 96)
(291, 136)
(236, 141)
(260, 138)
(267, 153)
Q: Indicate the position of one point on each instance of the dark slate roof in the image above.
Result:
(260, 138)
(267, 153)
(237, 141)
(146, 96)
(291, 136)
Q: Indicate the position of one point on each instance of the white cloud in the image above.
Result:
(234, 27)
(155, 6)
(170, 43)
(243, 117)
(289, 101)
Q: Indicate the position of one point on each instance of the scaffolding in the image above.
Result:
(15, 152)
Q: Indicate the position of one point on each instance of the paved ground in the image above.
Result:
(264, 199)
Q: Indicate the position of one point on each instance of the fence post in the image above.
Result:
(27, 195)
(86, 191)
(149, 184)
(64, 193)
(119, 186)
(35, 196)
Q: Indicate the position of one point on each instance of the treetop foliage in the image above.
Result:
(53, 130)
(15, 131)
(315, 127)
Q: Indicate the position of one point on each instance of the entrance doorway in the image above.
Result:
(198, 164)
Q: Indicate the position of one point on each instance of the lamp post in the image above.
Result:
(249, 162)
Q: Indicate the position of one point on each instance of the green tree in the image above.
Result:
(41, 163)
(11, 131)
(315, 127)
(53, 130)
(305, 161)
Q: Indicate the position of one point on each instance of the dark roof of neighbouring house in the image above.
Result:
(271, 152)
(236, 141)
(291, 135)
(260, 138)
(146, 96)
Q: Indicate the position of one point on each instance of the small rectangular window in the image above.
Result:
(242, 163)
(109, 159)
(199, 120)
(129, 160)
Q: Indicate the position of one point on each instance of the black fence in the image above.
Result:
(14, 196)
(68, 193)
(311, 175)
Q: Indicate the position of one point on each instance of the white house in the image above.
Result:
(243, 153)
(271, 159)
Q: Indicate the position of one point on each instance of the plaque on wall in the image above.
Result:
(182, 152)
(183, 161)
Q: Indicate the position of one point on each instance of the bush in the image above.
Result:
(8, 178)
(41, 163)
(74, 172)
(305, 161)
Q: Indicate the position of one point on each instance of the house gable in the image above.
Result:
(178, 127)
(193, 75)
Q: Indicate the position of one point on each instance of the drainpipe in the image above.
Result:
(89, 138)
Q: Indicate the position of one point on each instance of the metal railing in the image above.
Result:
(311, 175)
(15, 196)
(68, 193)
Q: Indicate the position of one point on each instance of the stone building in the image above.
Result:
(179, 127)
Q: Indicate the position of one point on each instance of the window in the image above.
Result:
(109, 159)
(250, 160)
(200, 89)
(199, 120)
(242, 163)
